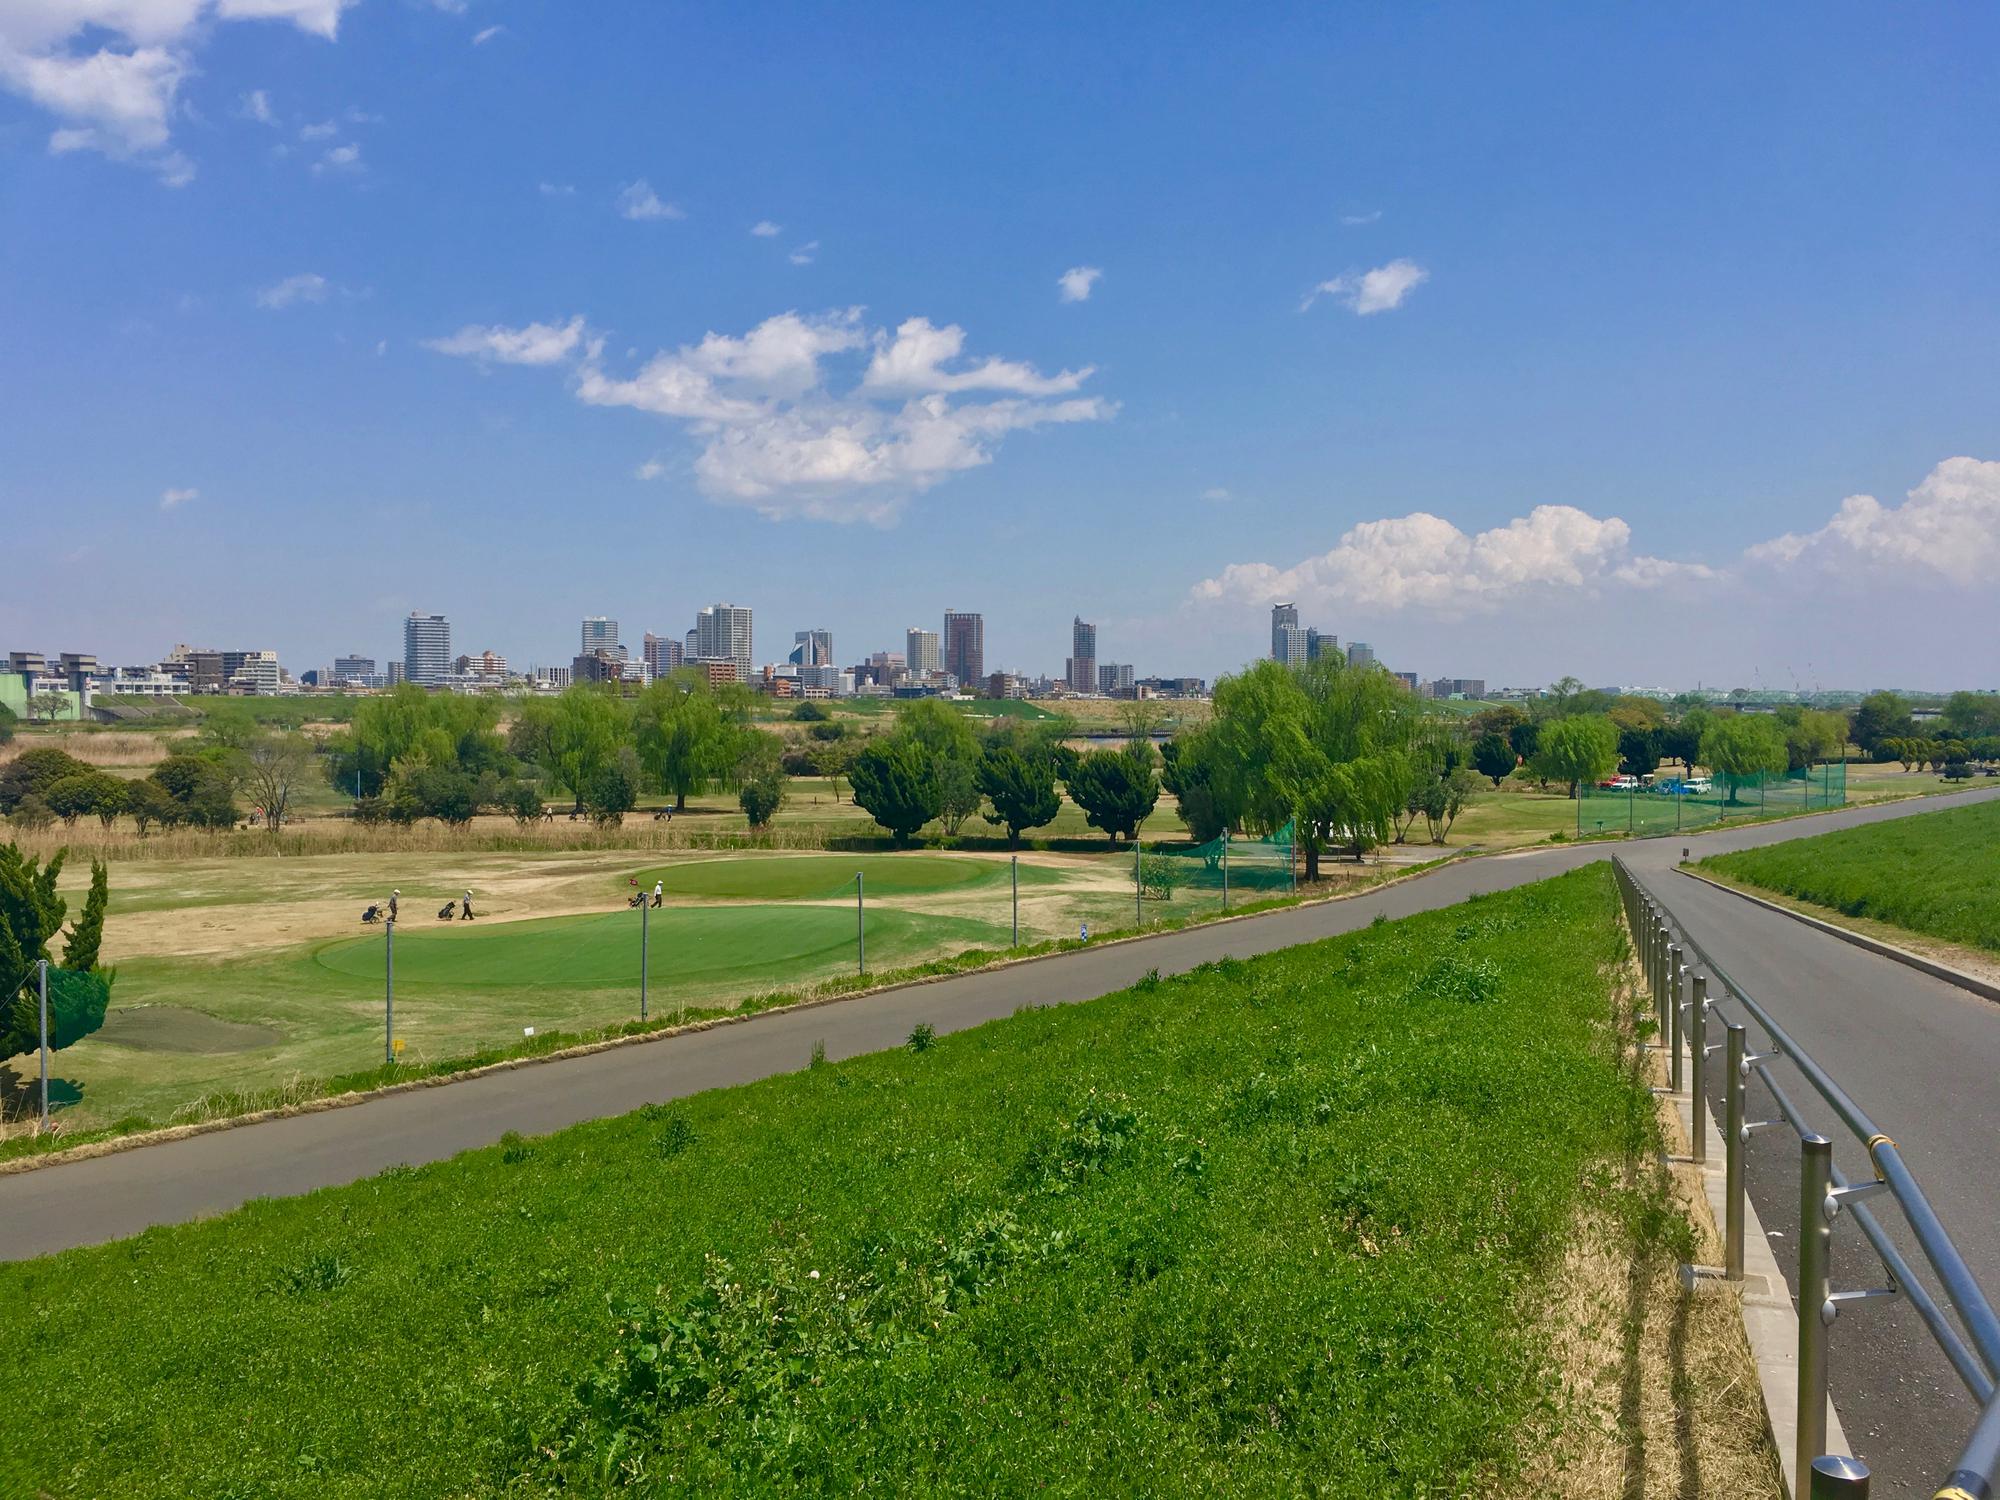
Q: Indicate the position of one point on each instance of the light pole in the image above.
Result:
(860, 928)
(44, 984)
(645, 918)
(1015, 862)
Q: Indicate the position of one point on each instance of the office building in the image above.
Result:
(1318, 645)
(923, 654)
(1408, 679)
(1360, 654)
(1288, 641)
(1456, 687)
(601, 665)
(1114, 678)
(1082, 656)
(662, 654)
(358, 670)
(426, 648)
(812, 648)
(395, 673)
(599, 634)
(1000, 685)
(965, 647)
(722, 633)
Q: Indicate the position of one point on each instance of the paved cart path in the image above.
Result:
(104, 1198)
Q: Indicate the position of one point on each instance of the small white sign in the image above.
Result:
(527, 1031)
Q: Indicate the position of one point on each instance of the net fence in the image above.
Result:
(1682, 804)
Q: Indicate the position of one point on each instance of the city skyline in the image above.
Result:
(1475, 370)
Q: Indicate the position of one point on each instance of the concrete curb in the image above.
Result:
(1983, 988)
(89, 1149)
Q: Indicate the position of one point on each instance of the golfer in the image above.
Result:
(392, 904)
(465, 908)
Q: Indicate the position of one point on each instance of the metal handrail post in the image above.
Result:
(1015, 861)
(1733, 1144)
(645, 921)
(1660, 976)
(389, 992)
(1679, 1038)
(1815, 1311)
(1838, 1477)
(1698, 1067)
(860, 927)
(43, 985)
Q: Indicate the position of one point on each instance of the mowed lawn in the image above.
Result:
(1937, 874)
(1281, 1226)
(826, 877)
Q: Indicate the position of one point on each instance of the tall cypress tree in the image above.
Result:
(87, 936)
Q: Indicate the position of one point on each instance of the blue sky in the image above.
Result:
(1514, 340)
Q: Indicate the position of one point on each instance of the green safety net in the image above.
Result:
(1676, 803)
(1226, 871)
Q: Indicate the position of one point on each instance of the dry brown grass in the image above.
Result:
(1659, 1395)
(108, 749)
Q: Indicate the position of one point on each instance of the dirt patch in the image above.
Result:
(175, 1028)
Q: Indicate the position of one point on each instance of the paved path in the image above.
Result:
(1922, 1057)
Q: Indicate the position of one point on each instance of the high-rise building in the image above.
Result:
(1082, 655)
(1360, 654)
(1288, 641)
(722, 633)
(1113, 678)
(599, 634)
(812, 648)
(426, 648)
(359, 669)
(921, 654)
(663, 654)
(965, 647)
(1318, 645)
(395, 673)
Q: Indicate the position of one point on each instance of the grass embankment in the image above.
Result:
(1937, 873)
(1291, 1224)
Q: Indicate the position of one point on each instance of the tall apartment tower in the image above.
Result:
(1360, 654)
(426, 649)
(1288, 641)
(722, 633)
(663, 654)
(599, 634)
(965, 648)
(921, 652)
(1082, 656)
(812, 648)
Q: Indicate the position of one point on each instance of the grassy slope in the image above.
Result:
(1938, 873)
(1275, 1226)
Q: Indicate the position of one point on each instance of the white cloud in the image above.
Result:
(557, 189)
(806, 253)
(339, 159)
(536, 344)
(307, 286)
(1380, 290)
(1357, 219)
(1216, 493)
(1423, 562)
(1076, 283)
(764, 229)
(913, 361)
(256, 105)
(175, 499)
(482, 37)
(775, 437)
(118, 93)
(640, 203)
(320, 130)
(1949, 526)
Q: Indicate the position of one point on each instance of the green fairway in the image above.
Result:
(744, 947)
(1289, 1226)
(1937, 874)
(823, 877)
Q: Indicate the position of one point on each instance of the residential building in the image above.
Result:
(1408, 679)
(252, 671)
(1005, 685)
(718, 670)
(823, 677)
(396, 673)
(662, 654)
(1173, 687)
(964, 645)
(1082, 670)
(488, 664)
(1288, 641)
(812, 648)
(722, 633)
(1318, 645)
(1360, 654)
(356, 671)
(1456, 687)
(601, 665)
(1114, 678)
(426, 648)
(922, 655)
(599, 634)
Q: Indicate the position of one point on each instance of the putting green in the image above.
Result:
(823, 877)
(739, 945)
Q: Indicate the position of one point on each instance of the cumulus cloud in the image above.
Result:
(111, 70)
(641, 204)
(175, 499)
(256, 105)
(1424, 562)
(307, 286)
(806, 254)
(1216, 493)
(764, 229)
(339, 159)
(775, 434)
(1352, 220)
(536, 344)
(1380, 290)
(1948, 526)
(1074, 285)
(486, 34)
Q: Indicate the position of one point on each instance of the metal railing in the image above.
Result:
(1683, 1008)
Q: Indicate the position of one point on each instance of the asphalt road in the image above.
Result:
(1922, 1057)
